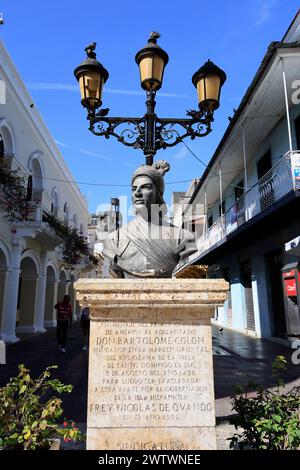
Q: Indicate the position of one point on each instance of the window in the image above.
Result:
(37, 179)
(239, 190)
(66, 213)
(55, 203)
(74, 222)
(264, 164)
(210, 221)
(266, 192)
(223, 209)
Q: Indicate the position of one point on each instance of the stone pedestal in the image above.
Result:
(150, 366)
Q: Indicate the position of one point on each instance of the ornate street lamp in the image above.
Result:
(152, 60)
(208, 81)
(91, 76)
(149, 133)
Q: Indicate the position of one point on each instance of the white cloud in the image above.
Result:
(86, 152)
(173, 95)
(61, 144)
(129, 164)
(264, 12)
(68, 87)
(52, 86)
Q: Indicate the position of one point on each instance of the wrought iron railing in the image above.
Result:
(277, 182)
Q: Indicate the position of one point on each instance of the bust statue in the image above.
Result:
(148, 246)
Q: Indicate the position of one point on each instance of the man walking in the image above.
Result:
(64, 317)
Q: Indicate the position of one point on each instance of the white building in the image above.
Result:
(33, 274)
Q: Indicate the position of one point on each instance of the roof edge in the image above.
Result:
(272, 48)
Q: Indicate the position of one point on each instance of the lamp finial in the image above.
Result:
(153, 37)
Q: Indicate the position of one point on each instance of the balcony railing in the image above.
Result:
(282, 178)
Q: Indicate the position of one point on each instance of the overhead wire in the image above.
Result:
(103, 184)
(211, 171)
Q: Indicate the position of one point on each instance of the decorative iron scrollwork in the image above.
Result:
(150, 133)
(128, 131)
(168, 132)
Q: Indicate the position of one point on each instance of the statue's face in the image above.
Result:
(143, 194)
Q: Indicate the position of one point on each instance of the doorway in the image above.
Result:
(274, 266)
(266, 190)
(246, 280)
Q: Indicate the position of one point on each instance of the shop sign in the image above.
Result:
(290, 287)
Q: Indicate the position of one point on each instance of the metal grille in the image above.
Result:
(249, 308)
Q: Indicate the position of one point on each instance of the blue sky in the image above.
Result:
(46, 41)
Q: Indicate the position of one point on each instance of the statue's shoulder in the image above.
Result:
(122, 232)
(117, 241)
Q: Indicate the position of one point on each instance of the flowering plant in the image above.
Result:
(29, 417)
(75, 245)
(70, 431)
(14, 189)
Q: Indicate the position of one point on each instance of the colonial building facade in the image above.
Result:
(34, 272)
(250, 198)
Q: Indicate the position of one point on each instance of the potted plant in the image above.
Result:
(30, 413)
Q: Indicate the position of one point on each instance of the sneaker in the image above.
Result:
(63, 350)
(60, 347)
(84, 348)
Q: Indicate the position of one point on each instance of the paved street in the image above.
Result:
(38, 351)
(237, 358)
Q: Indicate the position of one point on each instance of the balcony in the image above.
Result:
(281, 179)
(34, 226)
(259, 200)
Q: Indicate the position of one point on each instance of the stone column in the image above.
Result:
(41, 296)
(71, 293)
(10, 300)
(150, 380)
(51, 300)
(3, 277)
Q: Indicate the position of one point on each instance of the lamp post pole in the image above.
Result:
(150, 119)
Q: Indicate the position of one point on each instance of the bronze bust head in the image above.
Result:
(148, 246)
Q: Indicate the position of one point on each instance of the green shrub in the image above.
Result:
(270, 419)
(29, 416)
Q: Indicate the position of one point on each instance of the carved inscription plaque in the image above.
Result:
(146, 375)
